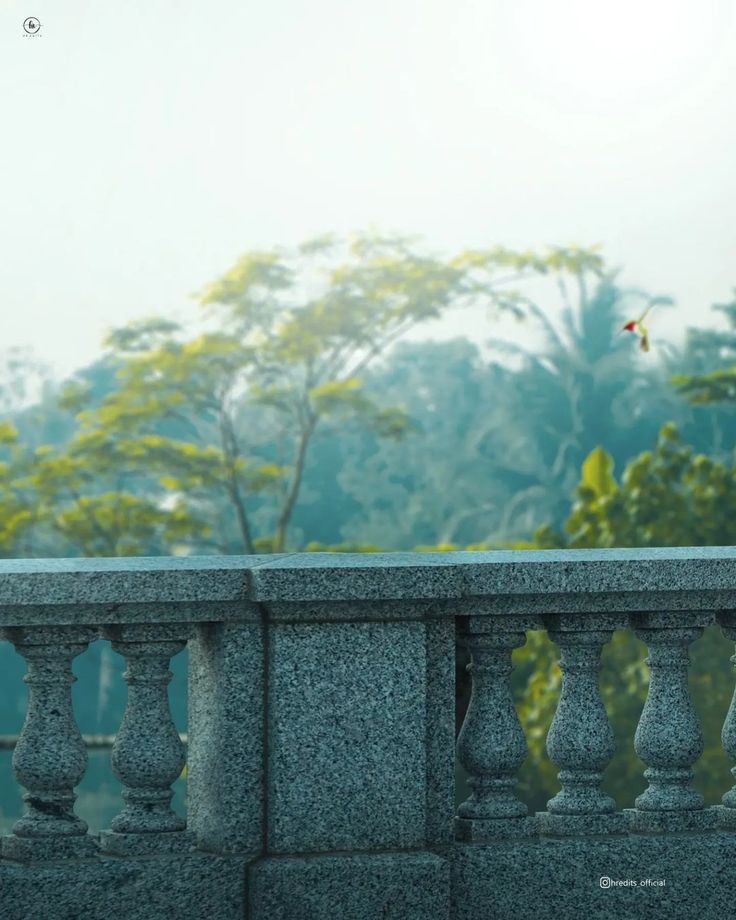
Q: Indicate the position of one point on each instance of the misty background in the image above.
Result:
(146, 146)
(152, 154)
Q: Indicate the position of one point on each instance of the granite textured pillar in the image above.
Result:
(727, 811)
(225, 757)
(668, 738)
(50, 757)
(580, 740)
(351, 736)
(359, 762)
(148, 754)
(491, 745)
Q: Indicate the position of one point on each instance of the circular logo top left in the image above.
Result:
(31, 25)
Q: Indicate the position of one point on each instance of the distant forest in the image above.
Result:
(302, 419)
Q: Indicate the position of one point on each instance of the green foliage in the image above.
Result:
(598, 473)
(432, 487)
(670, 496)
(16, 510)
(517, 436)
(8, 433)
(119, 524)
(142, 335)
(297, 332)
(342, 548)
(79, 496)
(719, 385)
(667, 497)
(587, 386)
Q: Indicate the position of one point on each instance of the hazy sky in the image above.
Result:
(146, 145)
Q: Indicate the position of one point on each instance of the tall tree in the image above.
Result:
(706, 377)
(296, 331)
(433, 487)
(81, 498)
(586, 386)
(16, 512)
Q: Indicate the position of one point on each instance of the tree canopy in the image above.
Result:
(219, 425)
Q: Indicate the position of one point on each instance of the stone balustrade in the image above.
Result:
(321, 739)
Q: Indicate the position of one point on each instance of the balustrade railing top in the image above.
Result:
(62, 591)
(508, 581)
(125, 590)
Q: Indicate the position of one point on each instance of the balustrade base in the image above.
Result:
(187, 886)
(31, 849)
(478, 830)
(145, 844)
(663, 822)
(554, 825)
(693, 876)
(726, 817)
(360, 886)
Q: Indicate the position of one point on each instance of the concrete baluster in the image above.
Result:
(580, 741)
(668, 738)
(148, 755)
(50, 758)
(491, 745)
(727, 812)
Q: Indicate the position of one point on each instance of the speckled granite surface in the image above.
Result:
(226, 731)
(360, 736)
(107, 580)
(601, 879)
(202, 588)
(183, 887)
(383, 886)
(345, 576)
(562, 878)
(107, 591)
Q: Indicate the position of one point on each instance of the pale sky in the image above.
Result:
(146, 145)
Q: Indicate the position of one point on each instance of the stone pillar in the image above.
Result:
(580, 741)
(50, 757)
(727, 811)
(491, 745)
(148, 754)
(359, 785)
(668, 738)
(225, 757)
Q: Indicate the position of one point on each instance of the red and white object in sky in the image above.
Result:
(638, 328)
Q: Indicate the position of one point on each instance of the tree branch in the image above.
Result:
(295, 485)
(231, 453)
